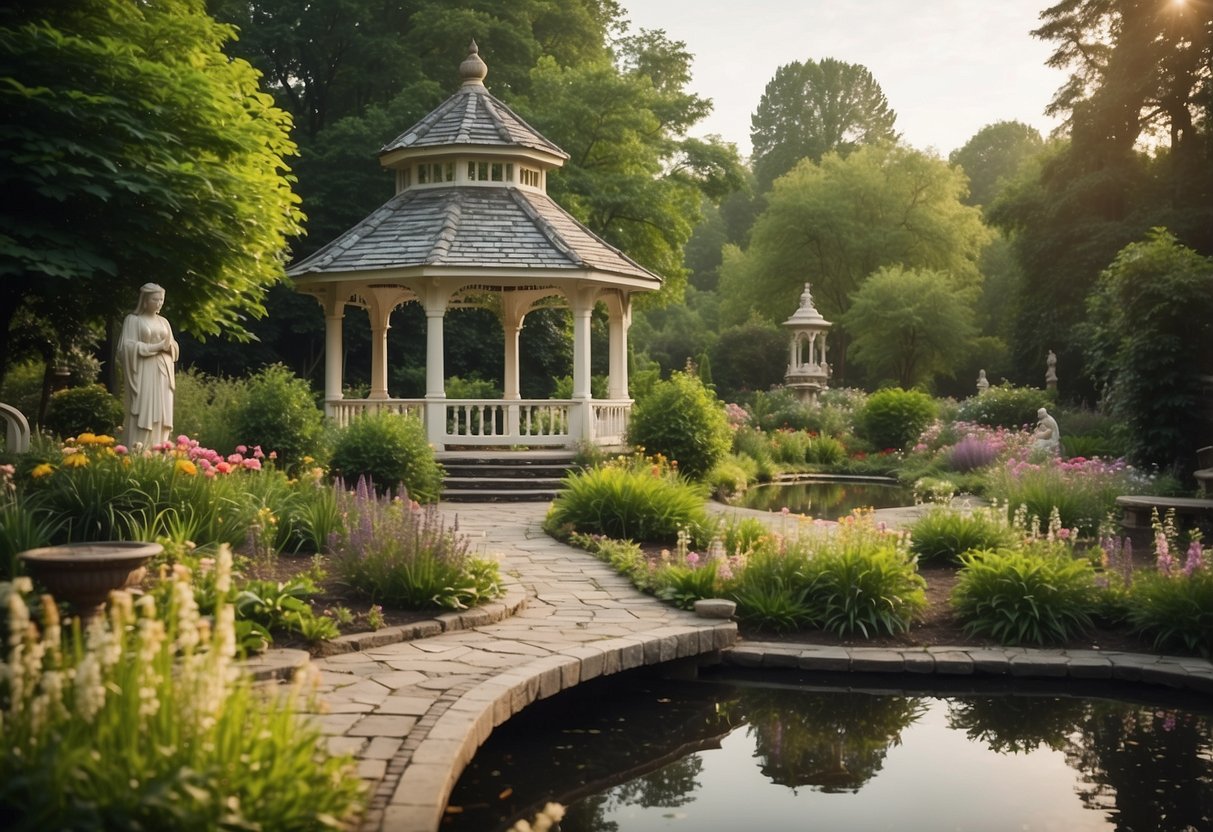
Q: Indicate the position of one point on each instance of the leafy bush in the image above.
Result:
(1090, 445)
(683, 421)
(203, 406)
(731, 475)
(779, 409)
(630, 500)
(1004, 405)
(1022, 597)
(471, 388)
(396, 552)
(279, 414)
(893, 418)
(146, 724)
(772, 592)
(80, 409)
(943, 534)
(392, 452)
(790, 447)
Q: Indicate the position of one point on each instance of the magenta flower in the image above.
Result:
(1195, 558)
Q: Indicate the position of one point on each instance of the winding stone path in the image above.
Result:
(413, 704)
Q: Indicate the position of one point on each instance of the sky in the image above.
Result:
(947, 67)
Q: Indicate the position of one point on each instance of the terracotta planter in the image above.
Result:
(84, 574)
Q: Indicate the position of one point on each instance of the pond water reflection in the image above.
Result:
(825, 500)
(656, 754)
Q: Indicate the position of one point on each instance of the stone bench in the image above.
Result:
(1204, 470)
(1189, 511)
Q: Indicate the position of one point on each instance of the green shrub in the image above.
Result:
(825, 450)
(1174, 611)
(870, 590)
(633, 502)
(731, 475)
(682, 420)
(779, 410)
(22, 387)
(790, 447)
(772, 592)
(1004, 405)
(893, 418)
(684, 584)
(397, 553)
(279, 414)
(203, 406)
(943, 534)
(78, 410)
(391, 451)
(1090, 445)
(471, 388)
(1082, 492)
(1021, 597)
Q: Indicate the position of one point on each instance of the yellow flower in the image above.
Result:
(184, 466)
(76, 460)
(105, 440)
(86, 438)
(43, 470)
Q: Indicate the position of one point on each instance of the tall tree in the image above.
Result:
(1148, 340)
(133, 149)
(836, 223)
(813, 108)
(994, 156)
(1139, 105)
(910, 325)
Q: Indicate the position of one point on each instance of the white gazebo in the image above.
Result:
(808, 373)
(471, 224)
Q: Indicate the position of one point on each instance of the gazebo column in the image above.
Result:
(619, 309)
(513, 312)
(334, 313)
(435, 302)
(581, 302)
(380, 313)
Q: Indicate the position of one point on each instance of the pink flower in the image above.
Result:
(120, 449)
(241, 449)
(183, 439)
(235, 459)
(1063, 534)
(223, 467)
(258, 453)
(273, 454)
(252, 464)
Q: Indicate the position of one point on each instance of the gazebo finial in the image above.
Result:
(473, 69)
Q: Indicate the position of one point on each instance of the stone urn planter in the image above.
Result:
(84, 574)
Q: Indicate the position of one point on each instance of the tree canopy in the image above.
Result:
(132, 150)
(995, 155)
(833, 224)
(813, 108)
(910, 325)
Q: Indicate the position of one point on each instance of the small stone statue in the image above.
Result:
(983, 384)
(147, 352)
(1047, 436)
(1051, 371)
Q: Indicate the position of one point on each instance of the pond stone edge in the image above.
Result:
(1180, 672)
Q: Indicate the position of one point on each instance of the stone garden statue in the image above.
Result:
(1051, 371)
(983, 384)
(147, 352)
(1047, 436)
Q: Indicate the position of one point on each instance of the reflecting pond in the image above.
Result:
(826, 500)
(635, 753)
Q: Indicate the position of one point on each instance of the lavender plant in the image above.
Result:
(395, 552)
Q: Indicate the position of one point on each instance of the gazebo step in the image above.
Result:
(530, 495)
(502, 483)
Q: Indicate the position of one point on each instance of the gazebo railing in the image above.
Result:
(531, 422)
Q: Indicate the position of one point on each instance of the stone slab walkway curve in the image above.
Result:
(414, 712)
(413, 704)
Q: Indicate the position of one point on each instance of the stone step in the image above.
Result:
(502, 483)
(530, 495)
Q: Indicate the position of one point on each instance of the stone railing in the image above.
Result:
(343, 411)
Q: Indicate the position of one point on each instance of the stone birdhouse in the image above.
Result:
(808, 373)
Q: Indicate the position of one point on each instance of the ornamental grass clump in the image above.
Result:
(637, 498)
(971, 453)
(863, 580)
(396, 552)
(1039, 594)
(943, 534)
(143, 721)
